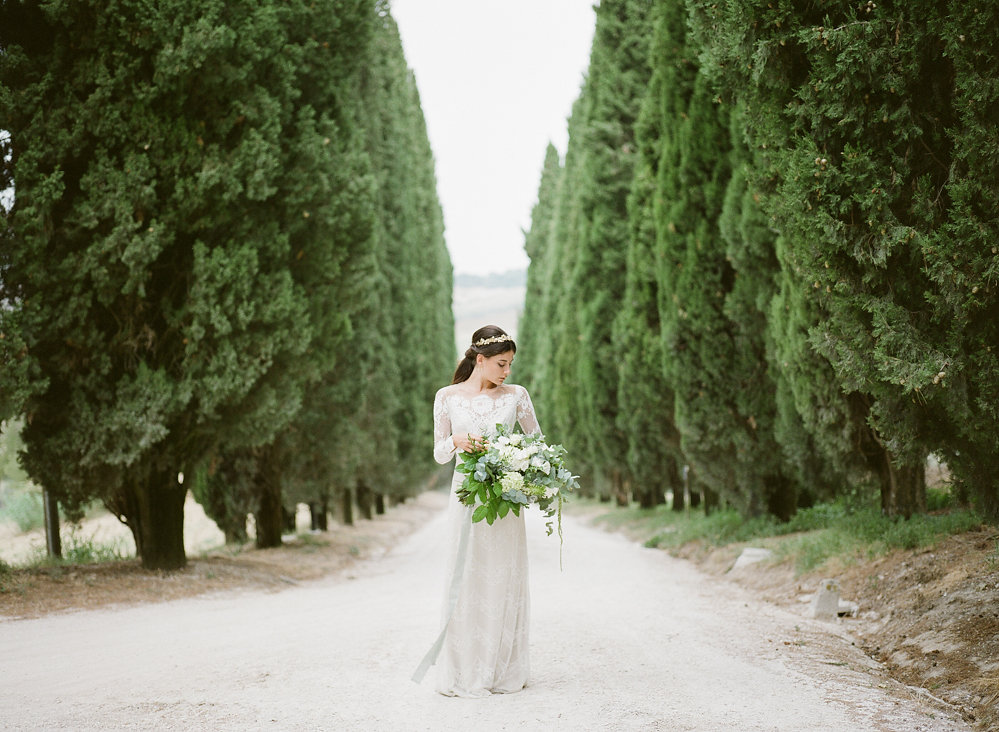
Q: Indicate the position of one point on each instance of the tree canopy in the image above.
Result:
(812, 212)
(195, 234)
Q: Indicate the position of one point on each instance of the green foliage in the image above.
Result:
(695, 276)
(23, 506)
(77, 549)
(240, 229)
(813, 210)
(182, 270)
(584, 252)
(940, 499)
(873, 120)
(226, 492)
(868, 534)
(532, 333)
(645, 396)
(495, 486)
(991, 560)
(6, 577)
(361, 422)
(813, 535)
(10, 446)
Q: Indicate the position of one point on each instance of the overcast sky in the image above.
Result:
(497, 80)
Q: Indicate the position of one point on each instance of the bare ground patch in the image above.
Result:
(931, 617)
(28, 593)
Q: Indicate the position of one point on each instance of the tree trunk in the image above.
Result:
(363, 498)
(379, 504)
(53, 543)
(289, 521)
(235, 535)
(270, 518)
(318, 511)
(783, 499)
(619, 488)
(347, 507)
(679, 499)
(710, 500)
(677, 484)
(903, 489)
(154, 511)
(691, 489)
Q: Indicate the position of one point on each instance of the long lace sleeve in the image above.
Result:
(444, 448)
(525, 413)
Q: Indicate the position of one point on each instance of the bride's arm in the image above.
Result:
(525, 413)
(444, 446)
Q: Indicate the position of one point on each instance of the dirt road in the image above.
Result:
(624, 638)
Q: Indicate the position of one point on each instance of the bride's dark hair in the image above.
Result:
(493, 348)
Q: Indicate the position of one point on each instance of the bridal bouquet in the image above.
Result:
(513, 470)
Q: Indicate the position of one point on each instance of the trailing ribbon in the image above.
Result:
(452, 599)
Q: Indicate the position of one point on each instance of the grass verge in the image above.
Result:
(78, 549)
(813, 536)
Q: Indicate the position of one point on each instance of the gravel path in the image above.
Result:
(624, 638)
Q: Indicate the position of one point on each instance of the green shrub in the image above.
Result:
(6, 573)
(24, 508)
(939, 498)
(844, 529)
(84, 550)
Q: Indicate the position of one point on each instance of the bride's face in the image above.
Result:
(496, 368)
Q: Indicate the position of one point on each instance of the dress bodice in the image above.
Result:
(456, 413)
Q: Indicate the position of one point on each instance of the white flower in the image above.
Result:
(520, 462)
(541, 464)
(512, 482)
(515, 439)
(513, 459)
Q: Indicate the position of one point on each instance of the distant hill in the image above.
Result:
(495, 299)
(510, 278)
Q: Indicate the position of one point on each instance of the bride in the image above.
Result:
(482, 647)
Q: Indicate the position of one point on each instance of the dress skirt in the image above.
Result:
(485, 645)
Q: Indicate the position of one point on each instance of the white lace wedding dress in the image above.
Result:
(486, 611)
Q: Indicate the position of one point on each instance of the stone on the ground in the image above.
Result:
(847, 608)
(825, 604)
(749, 556)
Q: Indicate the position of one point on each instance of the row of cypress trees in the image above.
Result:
(224, 259)
(768, 260)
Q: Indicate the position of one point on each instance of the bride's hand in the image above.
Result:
(468, 442)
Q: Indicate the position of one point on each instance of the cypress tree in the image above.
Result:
(694, 278)
(556, 398)
(761, 471)
(962, 251)
(598, 186)
(168, 258)
(415, 342)
(534, 328)
(876, 118)
(362, 430)
(645, 397)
